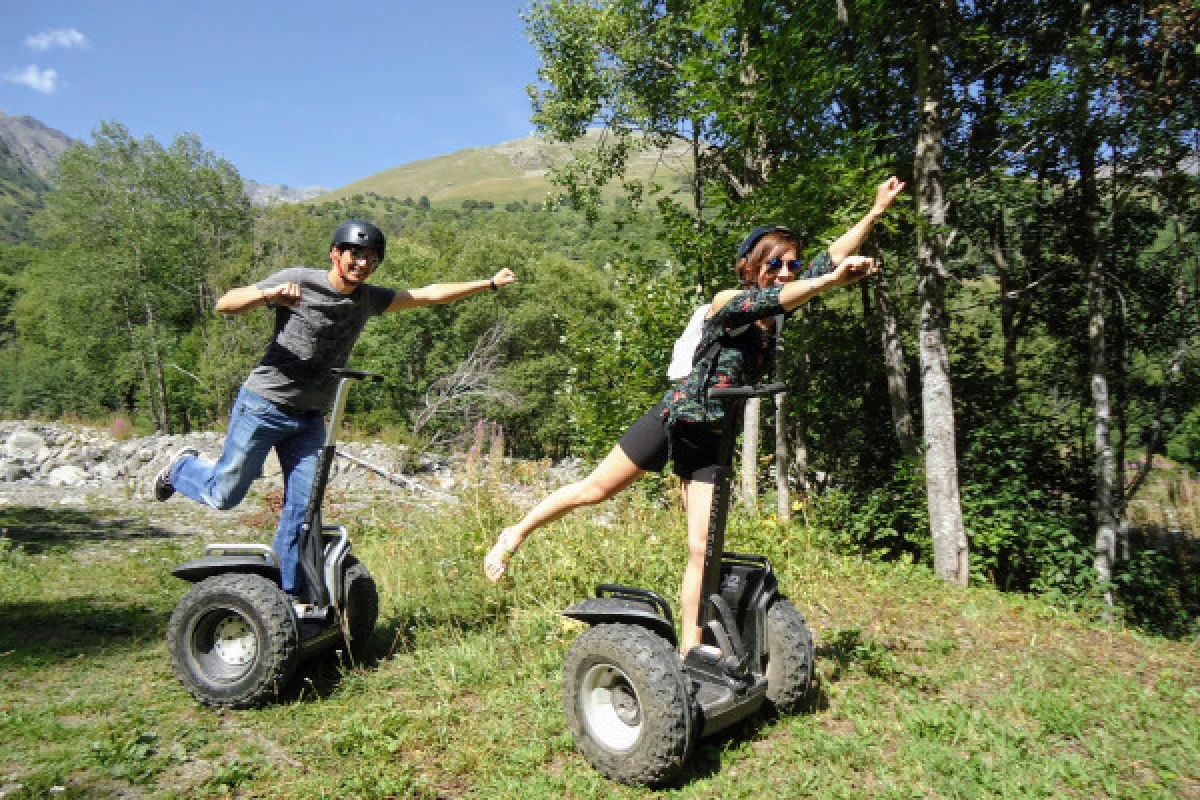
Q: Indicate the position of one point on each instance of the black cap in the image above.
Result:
(756, 235)
(361, 233)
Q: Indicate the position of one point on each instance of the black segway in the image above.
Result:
(634, 706)
(235, 638)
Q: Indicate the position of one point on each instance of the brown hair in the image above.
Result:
(769, 246)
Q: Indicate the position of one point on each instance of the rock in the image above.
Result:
(107, 472)
(69, 475)
(10, 472)
(24, 445)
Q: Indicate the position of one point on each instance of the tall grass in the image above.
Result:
(924, 689)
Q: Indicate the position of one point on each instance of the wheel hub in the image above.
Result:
(610, 707)
(625, 703)
(234, 641)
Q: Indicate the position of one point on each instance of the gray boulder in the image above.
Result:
(25, 445)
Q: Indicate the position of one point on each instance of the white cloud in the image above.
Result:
(41, 80)
(62, 37)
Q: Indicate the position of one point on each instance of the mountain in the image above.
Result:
(29, 153)
(34, 144)
(272, 194)
(512, 171)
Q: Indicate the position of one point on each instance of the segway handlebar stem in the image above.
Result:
(345, 377)
(312, 558)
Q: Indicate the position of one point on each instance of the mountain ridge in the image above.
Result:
(517, 170)
(34, 143)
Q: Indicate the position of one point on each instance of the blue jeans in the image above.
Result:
(255, 426)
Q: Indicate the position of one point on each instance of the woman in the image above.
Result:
(738, 339)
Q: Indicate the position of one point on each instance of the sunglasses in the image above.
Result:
(776, 264)
(360, 253)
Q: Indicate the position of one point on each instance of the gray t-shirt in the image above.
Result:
(313, 338)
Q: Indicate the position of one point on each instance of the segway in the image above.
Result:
(236, 638)
(634, 706)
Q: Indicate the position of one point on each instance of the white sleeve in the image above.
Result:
(685, 346)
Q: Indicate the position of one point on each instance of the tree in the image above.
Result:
(951, 558)
(136, 229)
(743, 84)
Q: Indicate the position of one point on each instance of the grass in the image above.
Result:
(492, 173)
(925, 690)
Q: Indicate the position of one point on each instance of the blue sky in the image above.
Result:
(303, 93)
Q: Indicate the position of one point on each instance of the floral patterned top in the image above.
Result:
(746, 354)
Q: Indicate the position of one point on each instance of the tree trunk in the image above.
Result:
(799, 433)
(1008, 303)
(950, 552)
(1091, 256)
(1104, 466)
(750, 436)
(163, 419)
(147, 384)
(893, 364)
(783, 498)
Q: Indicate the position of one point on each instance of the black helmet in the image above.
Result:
(756, 236)
(362, 233)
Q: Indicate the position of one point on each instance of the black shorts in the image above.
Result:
(695, 452)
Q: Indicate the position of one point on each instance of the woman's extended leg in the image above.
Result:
(612, 475)
(697, 502)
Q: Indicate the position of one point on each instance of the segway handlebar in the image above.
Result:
(357, 374)
(734, 392)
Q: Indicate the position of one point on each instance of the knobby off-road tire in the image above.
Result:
(233, 641)
(361, 606)
(628, 703)
(789, 657)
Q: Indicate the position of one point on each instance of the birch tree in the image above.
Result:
(950, 551)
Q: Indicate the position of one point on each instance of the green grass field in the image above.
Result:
(923, 690)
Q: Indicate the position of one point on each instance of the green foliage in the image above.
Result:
(130, 234)
(1159, 587)
(231, 775)
(1024, 535)
(1185, 444)
(618, 357)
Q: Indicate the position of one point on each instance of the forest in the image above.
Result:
(991, 405)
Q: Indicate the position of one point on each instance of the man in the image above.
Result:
(318, 317)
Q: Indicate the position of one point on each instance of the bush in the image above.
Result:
(1023, 537)
(1159, 587)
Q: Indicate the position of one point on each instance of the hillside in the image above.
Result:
(35, 145)
(21, 192)
(514, 171)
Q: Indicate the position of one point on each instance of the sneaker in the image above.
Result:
(162, 481)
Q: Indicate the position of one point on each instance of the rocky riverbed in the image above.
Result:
(61, 465)
(69, 457)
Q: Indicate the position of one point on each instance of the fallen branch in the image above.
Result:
(399, 480)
